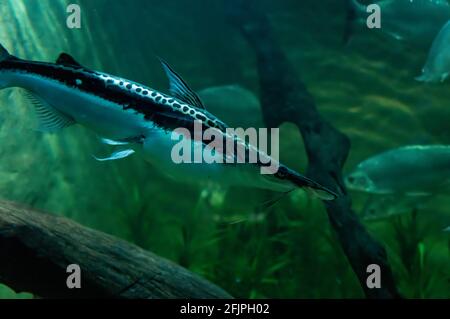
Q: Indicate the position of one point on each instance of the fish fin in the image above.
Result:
(4, 54)
(130, 140)
(312, 187)
(108, 141)
(423, 77)
(272, 202)
(444, 77)
(66, 59)
(179, 88)
(354, 10)
(116, 155)
(420, 78)
(396, 36)
(51, 120)
(321, 193)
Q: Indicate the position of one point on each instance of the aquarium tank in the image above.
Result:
(337, 186)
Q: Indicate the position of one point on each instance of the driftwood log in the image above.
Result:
(284, 98)
(36, 248)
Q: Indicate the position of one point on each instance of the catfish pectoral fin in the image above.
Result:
(116, 155)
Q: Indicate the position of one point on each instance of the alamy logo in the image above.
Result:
(74, 279)
(374, 19)
(374, 279)
(73, 21)
(214, 146)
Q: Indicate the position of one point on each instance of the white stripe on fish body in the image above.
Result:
(104, 117)
(157, 150)
(44, 86)
(123, 111)
(109, 119)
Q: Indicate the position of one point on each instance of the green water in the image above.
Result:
(366, 89)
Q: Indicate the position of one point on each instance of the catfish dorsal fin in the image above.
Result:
(66, 59)
(179, 88)
(4, 54)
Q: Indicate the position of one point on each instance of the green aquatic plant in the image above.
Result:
(417, 252)
(286, 251)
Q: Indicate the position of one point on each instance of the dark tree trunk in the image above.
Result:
(284, 98)
(36, 248)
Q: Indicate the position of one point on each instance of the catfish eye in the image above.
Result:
(351, 179)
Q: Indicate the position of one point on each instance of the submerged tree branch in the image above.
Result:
(284, 98)
(36, 248)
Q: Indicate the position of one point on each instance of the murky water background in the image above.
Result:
(366, 89)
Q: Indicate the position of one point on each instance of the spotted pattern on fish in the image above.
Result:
(162, 111)
(158, 97)
(153, 105)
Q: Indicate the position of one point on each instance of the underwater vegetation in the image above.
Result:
(366, 89)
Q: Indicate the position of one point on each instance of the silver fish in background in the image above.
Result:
(124, 112)
(234, 104)
(414, 21)
(418, 170)
(385, 206)
(437, 66)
